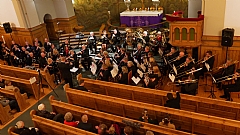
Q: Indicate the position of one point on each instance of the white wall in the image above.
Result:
(32, 14)
(232, 19)
(193, 7)
(60, 8)
(70, 8)
(214, 15)
(7, 13)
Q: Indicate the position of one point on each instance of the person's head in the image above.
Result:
(102, 128)
(19, 125)
(36, 39)
(26, 43)
(55, 52)
(139, 46)
(123, 50)
(169, 96)
(104, 32)
(166, 121)
(188, 59)
(209, 53)
(151, 59)
(36, 44)
(128, 130)
(105, 53)
(23, 48)
(66, 41)
(31, 54)
(125, 60)
(173, 49)
(52, 46)
(149, 133)
(181, 54)
(111, 130)
(115, 31)
(12, 53)
(45, 40)
(41, 107)
(13, 42)
(91, 33)
(147, 49)
(229, 61)
(145, 33)
(71, 52)
(130, 64)
(8, 83)
(68, 117)
(43, 54)
(43, 49)
(84, 118)
(124, 69)
(49, 61)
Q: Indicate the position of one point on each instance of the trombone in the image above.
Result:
(224, 65)
(176, 58)
(202, 60)
(190, 71)
(227, 78)
(182, 82)
(183, 64)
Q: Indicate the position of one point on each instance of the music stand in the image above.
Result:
(212, 95)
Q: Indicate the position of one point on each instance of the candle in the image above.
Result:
(3, 39)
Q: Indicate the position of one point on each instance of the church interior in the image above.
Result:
(119, 67)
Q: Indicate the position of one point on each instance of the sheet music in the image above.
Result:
(207, 66)
(136, 80)
(74, 70)
(174, 69)
(91, 37)
(143, 67)
(114, 72)
(93, 68)
(140, 73)
(172, 77)
(32, 80)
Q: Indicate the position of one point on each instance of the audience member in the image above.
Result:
(85, 125)
(68, 120)
(81, 86)
(22, 130)
(173, 102)
(166, 122)
(102, 129)
(128, 131)
(149, 133)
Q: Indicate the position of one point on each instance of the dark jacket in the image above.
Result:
(45, 114)
(86, 126)
(65, 70)
(25, 131)
(174, 103)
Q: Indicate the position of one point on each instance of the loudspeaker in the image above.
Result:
(7, 27)
(227, 37)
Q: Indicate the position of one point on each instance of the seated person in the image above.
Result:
(128, 130)
(146, 118)
(81, 86)
(124, 75)
(232, 87)
(8, 85)
(85, 125)
(102, 129)
(12, 103)
(152, 80)
(68, 120)
(22, 130)
(166, 123)
(49, 115)
(132, 67)
(112, 130)
(149, 133)
(190, 87)
(173, 102)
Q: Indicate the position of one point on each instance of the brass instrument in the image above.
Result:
(176, 58)
(187, 72)
(182, 82)
(224, 65)
(184, 64)
(203, 61)
(229, 77)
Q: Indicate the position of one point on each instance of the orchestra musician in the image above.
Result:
(152, 80)
(73, 58)
(209, 59)
(43, 60)
(187, 65)
(224, 70)
(132, 67)
(39, 43)
(138, 54)
(115, 39)
(13, 44)
(36, 50)
(232, 87)
(91, 41)
(85, 57)
(180, 59)
(28, 46)
(172, 54)
(14, 60)
(66, 51)
(105, 72)
(121, 56)
(189, 86)
(146, 38)
(123, 76)
(23, 56)
(47, 45)
(30, 59)
(53, 69)
(64, 68)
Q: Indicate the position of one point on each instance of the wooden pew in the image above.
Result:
(24, 84)
(188, 121)
(50, 127)
(96, 117)
(5, 116)
(24, 73)
(15, 94)
(197, 104)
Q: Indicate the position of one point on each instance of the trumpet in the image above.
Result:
(182, 82)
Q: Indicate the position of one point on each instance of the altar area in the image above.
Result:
(140, 18)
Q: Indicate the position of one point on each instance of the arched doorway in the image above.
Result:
(50, 27)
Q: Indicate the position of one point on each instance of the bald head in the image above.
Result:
(20, 124)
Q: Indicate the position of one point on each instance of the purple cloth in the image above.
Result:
(134, 21)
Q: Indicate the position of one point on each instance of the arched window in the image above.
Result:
(177, 33)
(192, 34)
(184, 34)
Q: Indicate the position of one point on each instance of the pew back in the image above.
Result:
(187, 121)
(96, 117)
(15, 94)
(5, 116)
(158, 97)
(25, 84)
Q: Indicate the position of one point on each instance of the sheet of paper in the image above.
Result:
(114, 72)
(140, 73)
(74, 70)
(174, 69)
(172, 77)
(143, 67)
(136, 80)
(93, 68)
(32, 80)
(207, 66)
